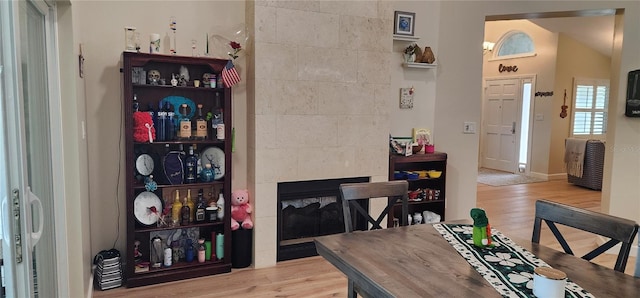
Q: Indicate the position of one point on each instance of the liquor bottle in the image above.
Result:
(220, 204)
(201, 125)
(185, 123)
(184, 213)
(170, 125)
(191, 167)
(191, 205)
(201, 251)
(200, 208)
(175, 209)
(217, 118)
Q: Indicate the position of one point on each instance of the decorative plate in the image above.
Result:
(215, 157)
(142, 208)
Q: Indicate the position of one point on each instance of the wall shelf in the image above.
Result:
(405, 38)
(418, 65)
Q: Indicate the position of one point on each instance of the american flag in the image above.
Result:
(230, 76)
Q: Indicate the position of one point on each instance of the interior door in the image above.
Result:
(501, 124)
(28, 246)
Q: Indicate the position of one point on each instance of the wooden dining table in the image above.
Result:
(416, 261)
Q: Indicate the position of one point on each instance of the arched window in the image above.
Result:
(515, 44)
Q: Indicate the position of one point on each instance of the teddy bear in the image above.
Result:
(240, 210)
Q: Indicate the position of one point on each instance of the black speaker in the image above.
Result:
(633, 94)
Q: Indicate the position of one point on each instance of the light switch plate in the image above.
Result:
(469, 127)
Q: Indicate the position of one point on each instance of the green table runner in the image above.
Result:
(507, 267)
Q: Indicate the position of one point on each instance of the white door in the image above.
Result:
(26, 171)
(501, 124)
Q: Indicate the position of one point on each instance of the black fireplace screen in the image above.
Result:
(307, 209)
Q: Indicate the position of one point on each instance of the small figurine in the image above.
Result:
(174, 81)
(137, 255)
(481, 228)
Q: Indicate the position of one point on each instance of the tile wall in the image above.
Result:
(319, 99)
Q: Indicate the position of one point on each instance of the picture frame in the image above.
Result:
(422, 136)
(404, 23)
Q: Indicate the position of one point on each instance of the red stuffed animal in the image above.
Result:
(143, 130)
(240, 210)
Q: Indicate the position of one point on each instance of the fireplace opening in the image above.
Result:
(307, 209)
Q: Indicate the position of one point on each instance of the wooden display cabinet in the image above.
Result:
(148, 96)
(421, 162)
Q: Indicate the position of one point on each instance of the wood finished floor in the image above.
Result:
(510, 210)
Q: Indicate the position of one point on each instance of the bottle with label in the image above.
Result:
(201, 125)
(185, 123)
(191, 167)
(201, 251)
(192, 206)
(184, 213)
(175, 209)
(217, 118)
(201, 206)
(220, 204)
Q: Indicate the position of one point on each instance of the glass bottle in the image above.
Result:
(207, 173)
(175, 209)
(185, 123)
(217, 117)
(161, 128)
(192, 206)
(170, 125)
(175, 248)
(188, 251)
(190, 167)
(200, 208)
(201, 251)
(157, 252)
(201, 125)
(220, 204)
(184, 213)
(168, 256)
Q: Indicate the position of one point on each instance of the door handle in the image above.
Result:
(513, 128)
(35, 201)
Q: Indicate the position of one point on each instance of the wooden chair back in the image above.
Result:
(618, 230)
(394, 191)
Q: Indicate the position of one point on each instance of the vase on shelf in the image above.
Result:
(409, 58)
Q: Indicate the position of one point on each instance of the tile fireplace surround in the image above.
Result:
(318, 100)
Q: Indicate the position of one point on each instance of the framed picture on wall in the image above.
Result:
(404, 23)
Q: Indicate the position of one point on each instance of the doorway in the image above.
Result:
(506, 128)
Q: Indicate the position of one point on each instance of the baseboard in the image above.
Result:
(548, 177)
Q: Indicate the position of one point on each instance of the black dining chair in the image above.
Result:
(351, 193)
(617, 229)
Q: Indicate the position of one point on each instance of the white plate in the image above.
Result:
(214, 156)
(141, 205)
